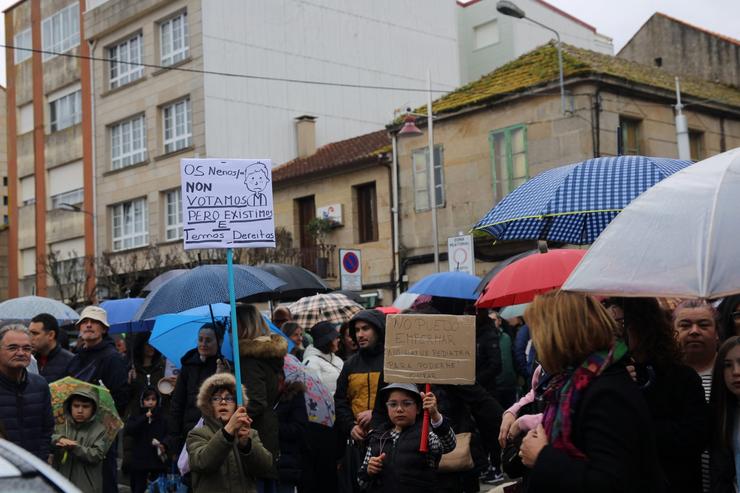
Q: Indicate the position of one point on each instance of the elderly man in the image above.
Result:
(25, 400)
(52, 358)
(99, 361)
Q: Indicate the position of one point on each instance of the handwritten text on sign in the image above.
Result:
(430, 349)
(227, 203)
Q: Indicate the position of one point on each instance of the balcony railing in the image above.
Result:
(319, 259)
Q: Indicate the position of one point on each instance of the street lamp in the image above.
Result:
(410, 129)
(509, 8)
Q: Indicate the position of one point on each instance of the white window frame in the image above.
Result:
(172, 32)
(128, 142)
(23, 40)
(124, 58)
(173, 215)
(129, 225)
(60, 32)
(72, 103)
(177, 126)
(420, 166)
(73, 197)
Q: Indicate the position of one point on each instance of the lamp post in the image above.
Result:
(410, 129)
(509, 8)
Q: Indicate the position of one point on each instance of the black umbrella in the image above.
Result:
(492, 273)
(299, 282)
(353, 295)
(161, 279)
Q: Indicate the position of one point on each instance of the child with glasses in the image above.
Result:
(393, 461)
(225, 454)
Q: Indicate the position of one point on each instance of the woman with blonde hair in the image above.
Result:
(261, 356)
(596, 431)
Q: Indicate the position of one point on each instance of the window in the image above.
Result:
(5, 181)
(73, 197)
(173, 211)
(173, 39)
(61, 31)
(486, 34)
(25, 118)
(66, 111)
(5, 219)
(696, 145)
(510, 168)
(128, 142)
(28, 261)
(177, 126)
(124, 58)
(367, 213)
(23, 40)
(130, 226)
(5, 200)
(28, 190)
(420, 160)
(66, 185)
(630, 136)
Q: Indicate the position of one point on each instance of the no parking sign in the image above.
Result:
(350, 268)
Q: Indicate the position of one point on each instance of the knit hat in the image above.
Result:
(94, 313)
(323, 333)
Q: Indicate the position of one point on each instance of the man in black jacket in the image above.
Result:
(487, 351)
(25, 400)
(98, 361)
(52, 358)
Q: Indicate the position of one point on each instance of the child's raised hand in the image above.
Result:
(66, 443)
(375, 464)
(429, 403)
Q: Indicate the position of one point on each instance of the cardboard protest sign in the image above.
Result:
(430, 349)
(227, 203)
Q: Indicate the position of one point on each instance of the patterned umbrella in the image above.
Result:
(23, 309)
(319, 401)
(333, 307)
(574, 203)
(107, 414)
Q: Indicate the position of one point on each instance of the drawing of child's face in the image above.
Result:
(256, 181)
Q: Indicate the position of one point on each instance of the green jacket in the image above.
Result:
(506, 380)
(217, 464)
(83, 464)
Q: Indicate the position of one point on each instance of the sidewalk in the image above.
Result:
(499, 488)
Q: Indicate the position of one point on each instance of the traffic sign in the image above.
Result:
(350, 268)
(460, 254)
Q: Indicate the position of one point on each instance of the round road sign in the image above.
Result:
(350, 262)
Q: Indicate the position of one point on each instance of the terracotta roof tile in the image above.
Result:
(335, 155)
(540, 66)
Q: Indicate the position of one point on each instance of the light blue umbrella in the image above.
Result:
(203, 285)
(23, 309)
(574, 203)
(448, 285)
(121, 313)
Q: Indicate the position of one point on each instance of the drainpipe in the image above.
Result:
(682, 127)
(394, 212)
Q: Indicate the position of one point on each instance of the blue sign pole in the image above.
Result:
(234, 330)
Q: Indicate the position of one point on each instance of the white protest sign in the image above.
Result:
(227, 203)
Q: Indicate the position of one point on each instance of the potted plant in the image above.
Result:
(319, 228)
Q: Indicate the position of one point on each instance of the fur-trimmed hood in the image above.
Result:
(264, 347)
(209, 386)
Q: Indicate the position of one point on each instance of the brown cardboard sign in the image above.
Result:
(430, 349)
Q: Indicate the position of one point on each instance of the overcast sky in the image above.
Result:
(618, 19)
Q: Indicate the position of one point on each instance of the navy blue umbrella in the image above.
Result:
(574, 203)
(205, 285)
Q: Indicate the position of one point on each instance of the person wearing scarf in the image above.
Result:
(596, 432)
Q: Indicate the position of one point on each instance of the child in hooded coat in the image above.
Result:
(146, 429)
(80, 443)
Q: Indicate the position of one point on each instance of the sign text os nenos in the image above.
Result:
(350, 267)
(227, 203)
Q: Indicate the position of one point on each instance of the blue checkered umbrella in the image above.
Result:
(574, 203)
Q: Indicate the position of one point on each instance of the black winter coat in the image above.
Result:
(613, 428)
(143, 456)
(675, 398)
(487, 357)
(184, 413)
(25, 412)
(293, 420)
(103, 362)
(722, 470)
(56, 364)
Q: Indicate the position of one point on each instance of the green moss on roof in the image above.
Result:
(540, 67)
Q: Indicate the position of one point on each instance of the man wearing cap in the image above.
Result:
(52, 358)
(97, 361)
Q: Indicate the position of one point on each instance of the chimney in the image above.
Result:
(306, 135)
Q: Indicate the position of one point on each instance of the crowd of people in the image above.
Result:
(579, 395)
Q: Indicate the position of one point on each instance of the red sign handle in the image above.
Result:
(424, 445)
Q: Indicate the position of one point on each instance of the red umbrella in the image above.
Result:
(520, 281)
(388, 310)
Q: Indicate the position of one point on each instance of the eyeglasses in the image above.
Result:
(404, 404)
(14, 348)
(218, 398)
